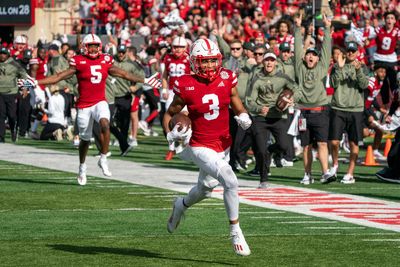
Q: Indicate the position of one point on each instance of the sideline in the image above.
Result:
(341, 207)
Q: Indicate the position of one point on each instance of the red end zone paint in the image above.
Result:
(327, 204)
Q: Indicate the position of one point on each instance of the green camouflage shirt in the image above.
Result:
(10, 71)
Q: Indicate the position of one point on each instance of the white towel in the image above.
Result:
(294, 126)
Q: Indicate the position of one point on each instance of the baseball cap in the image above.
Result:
(4, 50)
(54, 47)
(121, 48)
(249, 46)
(351, 46)
(269, 55)
(312, 50)
(284, 47)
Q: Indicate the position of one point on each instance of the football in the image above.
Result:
(284, 99)
(180, 118)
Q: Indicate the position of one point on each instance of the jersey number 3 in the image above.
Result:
(96, 75)
(212, 100)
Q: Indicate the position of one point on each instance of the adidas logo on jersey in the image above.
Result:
(221, 84)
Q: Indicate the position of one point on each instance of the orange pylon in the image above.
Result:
(369, 158)
(388, 145)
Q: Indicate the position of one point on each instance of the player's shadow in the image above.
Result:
(93, 250)
(30, 181)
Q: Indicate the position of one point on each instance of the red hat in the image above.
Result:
(258, 35)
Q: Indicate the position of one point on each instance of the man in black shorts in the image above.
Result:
(311, 69)
(349, 83)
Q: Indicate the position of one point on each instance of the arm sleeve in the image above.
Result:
(298, 50)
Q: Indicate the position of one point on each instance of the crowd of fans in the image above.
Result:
(246, 31)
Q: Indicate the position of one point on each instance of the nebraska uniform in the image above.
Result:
(374, 87)
(91, 75)
(176, 67)
(208, 108)
(207, 95)
(386, 44)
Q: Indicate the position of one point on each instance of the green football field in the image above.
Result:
(48, 220)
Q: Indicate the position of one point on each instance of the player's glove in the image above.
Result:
(154, 80)
(176, 135)
(243, 120)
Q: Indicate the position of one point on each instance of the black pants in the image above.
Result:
(261, 130)
(47, 132)
(242, 142)
(152, 99)
(122, 114)
(24, 114)
(123, 141)
(393, 158)
(8, 109)
(389, 83)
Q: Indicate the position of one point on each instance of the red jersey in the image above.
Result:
(208, 106)
(91, 75)
(41, 72)
(386, 41)
(374, 87)
(176, 67)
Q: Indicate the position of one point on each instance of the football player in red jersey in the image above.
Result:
(176, 64)
(208, 93)
(387, 38)
(92, 69)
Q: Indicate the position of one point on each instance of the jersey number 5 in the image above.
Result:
(96, 74)
(212, 100)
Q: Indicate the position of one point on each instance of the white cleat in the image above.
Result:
(82, 175)
(102, 163)
(348, 179)
(307, 179)
(239, 244)
(177, 214)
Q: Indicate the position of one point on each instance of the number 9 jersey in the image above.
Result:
(208, 106)
(91, 75)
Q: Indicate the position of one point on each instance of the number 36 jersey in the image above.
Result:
(92, 75)
(208, 106)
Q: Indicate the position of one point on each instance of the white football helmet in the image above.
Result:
(20, 40)
(91, 39)
(204, 50)
(179, 41)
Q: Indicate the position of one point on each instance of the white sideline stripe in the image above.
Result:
(381, 240)
(331, 228)
(307, 222)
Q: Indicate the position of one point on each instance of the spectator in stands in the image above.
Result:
(86, 16)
